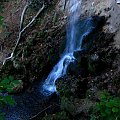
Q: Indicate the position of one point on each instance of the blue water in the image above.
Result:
(75, 36)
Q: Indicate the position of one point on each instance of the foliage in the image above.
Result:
(7, 85)
(1, 116)
(107, 109)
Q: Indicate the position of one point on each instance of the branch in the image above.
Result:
(40, 112)
(21, 32)
(22, 16)
(28, 25)
(34, 18)
(57, 105)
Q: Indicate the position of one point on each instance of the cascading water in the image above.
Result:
(74, 43)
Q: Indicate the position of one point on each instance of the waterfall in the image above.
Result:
(73, 44)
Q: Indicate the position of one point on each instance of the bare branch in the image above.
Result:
(44, 110)
(40, 112)
(28, 25)
(21, 32)
(34, 18)
(22, 16)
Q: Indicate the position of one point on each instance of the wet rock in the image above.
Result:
(94, 57)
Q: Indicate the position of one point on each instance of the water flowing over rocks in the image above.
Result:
(95, 68)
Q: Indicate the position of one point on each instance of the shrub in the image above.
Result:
(108, 108)
(6, 85)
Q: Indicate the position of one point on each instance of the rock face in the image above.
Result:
(108, 8)
(102, 64)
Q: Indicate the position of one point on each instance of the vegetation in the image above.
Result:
(108, 108)
(7, 85)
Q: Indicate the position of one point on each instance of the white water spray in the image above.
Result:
(73, 44)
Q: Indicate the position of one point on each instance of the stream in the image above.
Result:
(75, 36)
